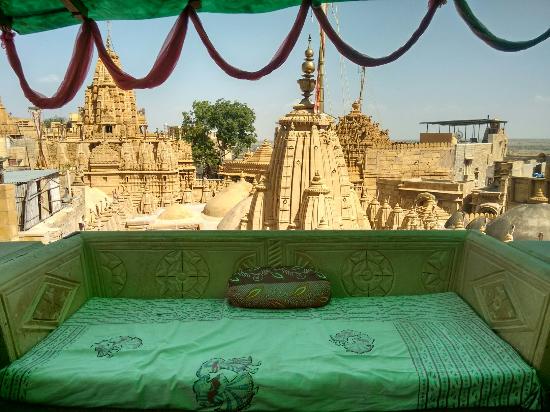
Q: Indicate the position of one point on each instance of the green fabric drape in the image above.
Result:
(31, 16)
(485, 34)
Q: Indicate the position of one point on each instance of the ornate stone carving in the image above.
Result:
(51, 303)
(114, 271)
(358, 132)
(306, 145)
(182, 274)
(367, 273)
(498, 302)
(435, 273)
(104, 154)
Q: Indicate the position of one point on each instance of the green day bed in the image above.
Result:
(113, 320)
(361, 353)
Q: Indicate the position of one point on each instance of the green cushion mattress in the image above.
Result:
(355, 354)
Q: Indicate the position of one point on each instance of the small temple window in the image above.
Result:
(108, 128)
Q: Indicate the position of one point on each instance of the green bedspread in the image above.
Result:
(356, 354)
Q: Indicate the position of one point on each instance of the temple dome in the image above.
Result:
(225, 200)
(528, 221)
(176, 211)
(232, 220)
(456, 217)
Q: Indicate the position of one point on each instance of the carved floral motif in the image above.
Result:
(182, 274)
(435, 274)
(367, 273)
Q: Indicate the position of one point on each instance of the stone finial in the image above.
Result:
(244, 222)
(108, 41)
(510, 235)
(460, 223)
(323, 225)
(538, 196)
(373, 210)
(412, 220)
(483, 227)
(397, 219)
(307, 82)
(384, 214)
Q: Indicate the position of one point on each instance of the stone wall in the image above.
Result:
(409, 160)
(8, 213)
(474, 161)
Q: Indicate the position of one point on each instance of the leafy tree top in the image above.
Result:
(217, 129)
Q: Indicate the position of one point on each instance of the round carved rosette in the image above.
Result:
(182, 273)
(367, 273)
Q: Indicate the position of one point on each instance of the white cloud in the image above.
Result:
(50, 78)
(539, 98)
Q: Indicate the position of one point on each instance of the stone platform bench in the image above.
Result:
(507, 286)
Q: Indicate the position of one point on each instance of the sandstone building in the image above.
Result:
(440, 163)
(253, 165)
(107, 145)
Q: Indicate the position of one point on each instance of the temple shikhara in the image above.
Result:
(307, 184)
(110, 145)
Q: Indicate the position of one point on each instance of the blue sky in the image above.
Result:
(448, 74)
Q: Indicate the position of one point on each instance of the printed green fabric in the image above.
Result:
(278, 287)
(379, 353)
(31, 16)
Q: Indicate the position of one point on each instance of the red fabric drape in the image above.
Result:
(74, 76)
(164, 64)
(170, 52)
(363, 59)
(277, 60)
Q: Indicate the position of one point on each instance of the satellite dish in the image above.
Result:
(459, 135)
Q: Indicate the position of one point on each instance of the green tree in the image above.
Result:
(216, 129)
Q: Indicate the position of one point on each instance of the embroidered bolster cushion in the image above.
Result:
(280, 287)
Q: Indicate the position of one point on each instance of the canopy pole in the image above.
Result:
(77, 9)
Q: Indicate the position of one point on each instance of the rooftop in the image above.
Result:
(22, 176)
(466, 122)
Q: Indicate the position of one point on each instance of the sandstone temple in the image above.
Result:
(111, 147)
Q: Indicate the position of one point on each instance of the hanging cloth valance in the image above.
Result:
(164, 64)
(479, 29)
(276, 61)
(362, 59)
(74, 76)
(170, 52)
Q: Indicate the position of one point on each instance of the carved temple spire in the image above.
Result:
(108, 41)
